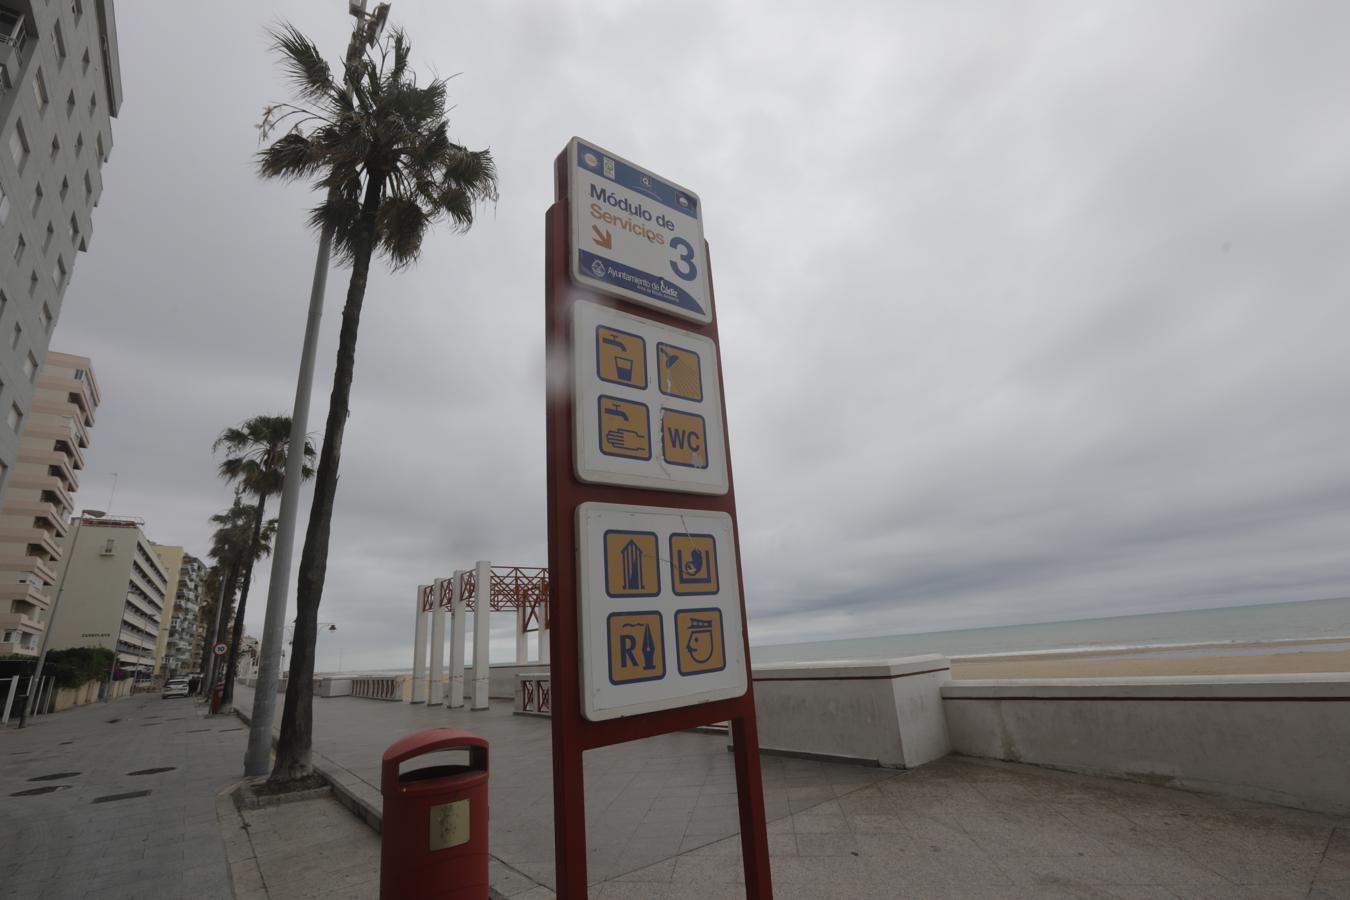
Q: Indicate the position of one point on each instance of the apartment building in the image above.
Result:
(113, 591)
(177, 648)
(35, 512)
(60, 87)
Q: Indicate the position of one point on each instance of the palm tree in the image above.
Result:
(255, 461)
(375, 143)
(229, 544)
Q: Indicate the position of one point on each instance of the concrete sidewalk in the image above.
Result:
(661, 823)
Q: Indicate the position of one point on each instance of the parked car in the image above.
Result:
(176, 687)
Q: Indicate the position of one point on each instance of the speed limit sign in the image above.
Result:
(220, 649)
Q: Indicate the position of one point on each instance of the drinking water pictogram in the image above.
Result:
(679, 372)
(632, 567)
(620, 357)
(699, 641)
(693, 564)
(636, 647)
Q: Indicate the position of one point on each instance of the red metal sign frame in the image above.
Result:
(572, 733)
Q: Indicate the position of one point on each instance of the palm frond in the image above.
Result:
(303, 64)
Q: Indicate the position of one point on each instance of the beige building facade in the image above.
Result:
(37, 507)
(179, 646)
(113, 591)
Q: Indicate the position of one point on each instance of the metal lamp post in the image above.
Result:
(51, 620)
(257, 759)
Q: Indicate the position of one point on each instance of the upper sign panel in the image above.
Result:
(635, 235)
(648, 405)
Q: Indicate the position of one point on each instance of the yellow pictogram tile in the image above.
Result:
(693, 564)
(620, 357)
(679, 372)
(700, 645)
(684, 439)
(625, 428)
(637, 650)
(632, 566)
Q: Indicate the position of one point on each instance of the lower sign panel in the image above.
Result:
(660, 609)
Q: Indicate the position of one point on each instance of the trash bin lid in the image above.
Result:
(431, 740)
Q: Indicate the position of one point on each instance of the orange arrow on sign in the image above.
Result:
(603, 237)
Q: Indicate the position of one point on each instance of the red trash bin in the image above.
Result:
(433, 839)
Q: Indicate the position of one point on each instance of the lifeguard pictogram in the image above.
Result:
(699, 641)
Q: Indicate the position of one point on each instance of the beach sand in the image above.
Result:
(1125, 664)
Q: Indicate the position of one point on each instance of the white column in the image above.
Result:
(482, 626)
(419, 685)
(456, 698)
(436, 678)
(522, 638)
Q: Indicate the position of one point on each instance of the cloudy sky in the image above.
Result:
(1029, 311)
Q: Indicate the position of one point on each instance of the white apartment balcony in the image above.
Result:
(38, 542)
(29, 563)
(57, 464)
(45, 515)
(19, 648)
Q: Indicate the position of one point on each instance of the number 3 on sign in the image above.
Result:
(678, 266)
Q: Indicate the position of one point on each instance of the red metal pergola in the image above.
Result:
(512, 587)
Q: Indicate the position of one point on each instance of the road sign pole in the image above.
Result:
(572, 732)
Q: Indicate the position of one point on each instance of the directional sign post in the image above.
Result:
(646, 599)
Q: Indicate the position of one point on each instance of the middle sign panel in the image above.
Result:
(648, 404)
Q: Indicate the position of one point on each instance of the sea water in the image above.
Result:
(1169, 633)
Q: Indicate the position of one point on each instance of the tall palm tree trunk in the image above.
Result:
(297, 719)
(233, 665)
(215, 634)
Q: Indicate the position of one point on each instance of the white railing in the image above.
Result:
(377, 688)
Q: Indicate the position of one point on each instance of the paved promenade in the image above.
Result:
(661, 823)
(107, 832)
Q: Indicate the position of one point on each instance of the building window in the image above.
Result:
(93, 102)
(98, 145)
(32, 283)
(47, 241)
(56, 145)
(88, 186)
(18, 146)
(30, 367)
(14, 418)
(84, 62)
(4, 205)
(74, 230)
(65, 188)
(46, 318)
(79, 145)
(19, 246)
(40, 91)
(70, 104)
(18, 335)
(4, 301)
(59, 273)
(37, 200)
(77, 8)
(59, 44)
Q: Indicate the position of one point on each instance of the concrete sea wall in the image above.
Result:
(1281, 739)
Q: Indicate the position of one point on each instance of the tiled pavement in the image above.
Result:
(165, 843)
(661, 823)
